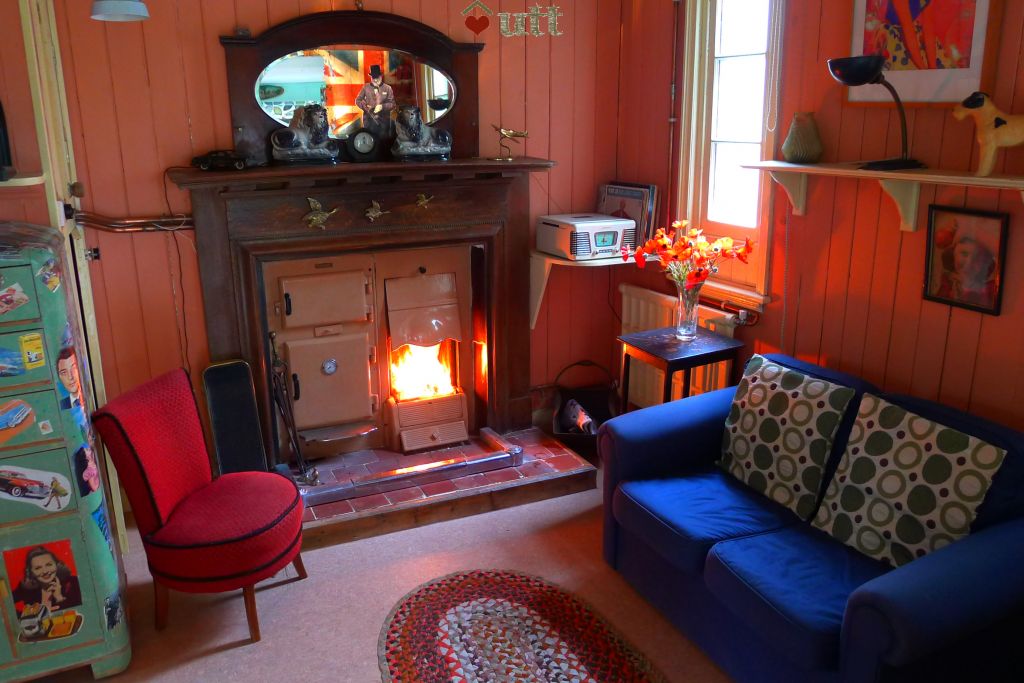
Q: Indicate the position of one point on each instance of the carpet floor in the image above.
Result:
(326, 627)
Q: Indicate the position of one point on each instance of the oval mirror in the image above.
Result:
(359, 86)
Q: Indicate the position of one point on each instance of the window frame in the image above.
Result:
(699, 34)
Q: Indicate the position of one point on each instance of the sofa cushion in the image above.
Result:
(780, 431)
(906, 485)
(1005, 498)
(790, 586)
(682, 518)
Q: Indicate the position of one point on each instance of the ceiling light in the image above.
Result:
(119, 10)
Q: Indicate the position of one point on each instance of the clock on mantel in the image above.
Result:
(904, 187)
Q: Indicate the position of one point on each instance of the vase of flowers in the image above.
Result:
(688, 259)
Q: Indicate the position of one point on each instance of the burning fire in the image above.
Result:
(420, 372)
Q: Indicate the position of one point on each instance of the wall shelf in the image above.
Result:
(24, 180)
(540, 269)
(904, 187)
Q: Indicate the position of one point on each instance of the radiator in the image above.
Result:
(645, 309)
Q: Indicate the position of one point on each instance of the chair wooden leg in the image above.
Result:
(249, 593)
(160, 603)
(300, 569)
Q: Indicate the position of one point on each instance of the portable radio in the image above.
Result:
(585, 236)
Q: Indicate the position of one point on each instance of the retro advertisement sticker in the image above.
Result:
(32, 354)
(45, 591)
(12, 297)
(50, 491)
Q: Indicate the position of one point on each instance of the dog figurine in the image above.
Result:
(995, 128)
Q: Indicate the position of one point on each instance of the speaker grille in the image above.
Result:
(579, 244)
(629, 239)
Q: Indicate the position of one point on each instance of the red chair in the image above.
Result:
(201, 535)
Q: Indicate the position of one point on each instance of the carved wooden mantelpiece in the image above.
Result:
(246, 218)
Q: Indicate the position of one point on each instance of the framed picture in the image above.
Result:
(631, 200)
(965, 258)
(936, 51)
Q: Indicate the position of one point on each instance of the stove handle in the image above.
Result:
(295, 387)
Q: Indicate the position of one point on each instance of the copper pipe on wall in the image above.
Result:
(97, 221)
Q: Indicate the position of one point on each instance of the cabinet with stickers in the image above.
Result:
(62, 584)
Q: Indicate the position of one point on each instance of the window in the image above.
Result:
(729, 78)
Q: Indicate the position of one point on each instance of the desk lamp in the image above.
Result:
(864, 70)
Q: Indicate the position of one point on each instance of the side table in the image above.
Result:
(663, 350)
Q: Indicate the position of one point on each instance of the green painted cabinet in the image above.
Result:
(62, 584)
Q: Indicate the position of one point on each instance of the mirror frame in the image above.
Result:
(248, 56)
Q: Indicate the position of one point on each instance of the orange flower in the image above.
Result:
(686, 255)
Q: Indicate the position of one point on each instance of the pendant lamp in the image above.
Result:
(119, 10)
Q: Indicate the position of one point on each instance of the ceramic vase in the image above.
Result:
(686, 310)
(802, 144)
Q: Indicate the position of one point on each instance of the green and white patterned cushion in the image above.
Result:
(780, 430)
(905, 485)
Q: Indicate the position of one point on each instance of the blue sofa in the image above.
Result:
(769, 597)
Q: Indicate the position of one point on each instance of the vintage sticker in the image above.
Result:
(45, 428)
(47, 490)
(113, 610)
(99, 515)
(12, 363)
(45, 590)
(87, 473)
(49, 275)
(12, 297)
(15, 417)
(32, 353)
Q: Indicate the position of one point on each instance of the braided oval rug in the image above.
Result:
(501, 626)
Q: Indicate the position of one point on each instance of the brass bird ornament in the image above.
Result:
(422, 200)
(317, 218)
(508, 134)
(375, 212)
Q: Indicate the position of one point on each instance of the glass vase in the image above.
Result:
(686, 311)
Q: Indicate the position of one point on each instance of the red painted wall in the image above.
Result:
(851, 295)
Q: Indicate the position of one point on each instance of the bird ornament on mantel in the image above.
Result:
(317, 218)
(508, 134)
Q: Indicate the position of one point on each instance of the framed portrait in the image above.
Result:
(966, 255)
(935, 50)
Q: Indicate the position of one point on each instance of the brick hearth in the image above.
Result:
(549, 469)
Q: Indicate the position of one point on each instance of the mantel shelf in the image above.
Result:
(903, 186)
(540, 269)
(24, 180)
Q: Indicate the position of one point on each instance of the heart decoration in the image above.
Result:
(477, 24)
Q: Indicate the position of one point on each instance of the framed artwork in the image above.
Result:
(966, 255)
(935, 50)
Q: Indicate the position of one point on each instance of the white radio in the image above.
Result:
(585, 236)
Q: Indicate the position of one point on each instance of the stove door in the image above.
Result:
(330, 380)
(324, 299)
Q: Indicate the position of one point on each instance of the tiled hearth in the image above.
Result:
(549, 469)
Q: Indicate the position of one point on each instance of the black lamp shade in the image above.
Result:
(854, 71)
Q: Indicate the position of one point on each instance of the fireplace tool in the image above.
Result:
(307, 473)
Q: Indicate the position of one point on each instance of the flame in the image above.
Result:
(420, 372)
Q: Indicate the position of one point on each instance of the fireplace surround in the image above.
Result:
(251, 235)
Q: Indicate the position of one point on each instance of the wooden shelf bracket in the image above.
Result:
(795, 186)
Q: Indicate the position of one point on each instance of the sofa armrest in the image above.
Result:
(937, 600)
(660, 441)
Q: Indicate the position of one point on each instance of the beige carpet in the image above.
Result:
(325, 628)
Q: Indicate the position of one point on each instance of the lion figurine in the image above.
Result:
(305, 138)
(415, 140)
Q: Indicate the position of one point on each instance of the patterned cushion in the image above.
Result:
(905, 485)
(780, 430)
